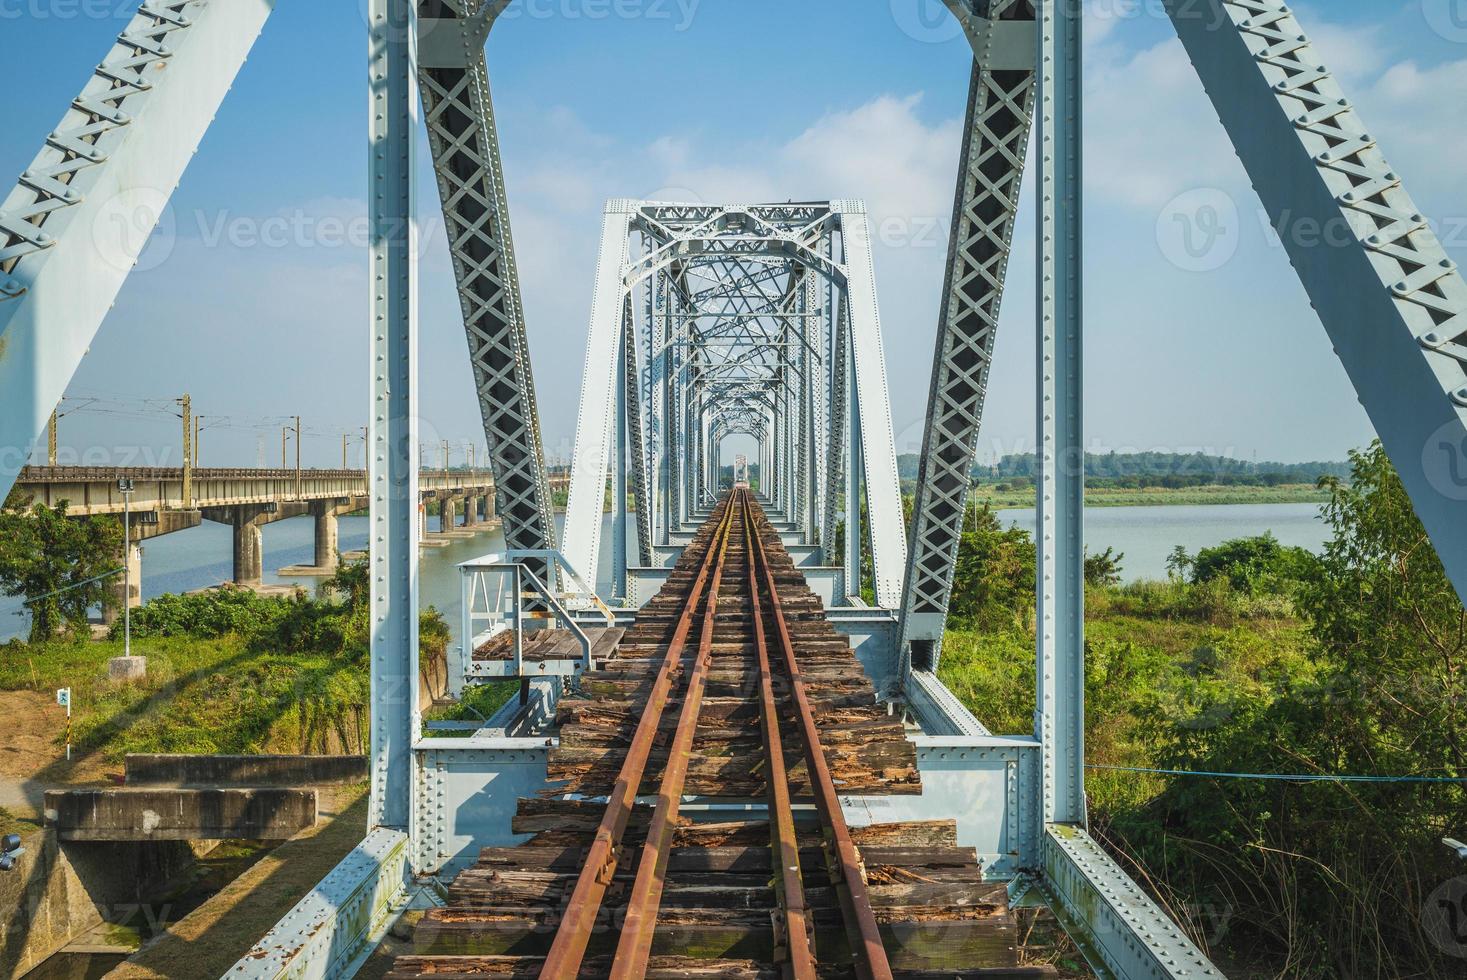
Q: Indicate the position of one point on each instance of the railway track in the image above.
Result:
(732, 691)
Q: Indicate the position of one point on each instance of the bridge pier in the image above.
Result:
(326, 513)
(127, 589)
(247, 520)
(447, 508)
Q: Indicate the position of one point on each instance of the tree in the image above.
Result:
(1104, 569)
(58, 563)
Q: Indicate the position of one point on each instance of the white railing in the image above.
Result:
(506, 592)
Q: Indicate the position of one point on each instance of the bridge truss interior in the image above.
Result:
(711, 321)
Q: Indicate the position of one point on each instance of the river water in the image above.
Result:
(200, 557)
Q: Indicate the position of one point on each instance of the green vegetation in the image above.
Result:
(58, 563)
(228, 671)
(1257, 658)
(1020, 493)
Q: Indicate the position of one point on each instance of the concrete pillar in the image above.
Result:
(447, 508)
(249, 548)
(327, 546)
(422, 520)
(133, 596)
(471, 510)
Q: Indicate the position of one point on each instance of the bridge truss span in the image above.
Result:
(735, 311)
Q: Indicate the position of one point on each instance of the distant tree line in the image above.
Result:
(1152, 469)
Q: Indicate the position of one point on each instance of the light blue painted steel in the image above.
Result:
(393, 463)
(978, 782)
(985, 208)
(467, 791)
(887, 527)
(594, 420)
(77, 221)
(1393, 304)
(334, 928)
(1060, 617)
(1119, 928)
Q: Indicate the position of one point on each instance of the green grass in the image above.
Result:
(200, 696)
(1160, 496)
(1151, 657)
(477, 704)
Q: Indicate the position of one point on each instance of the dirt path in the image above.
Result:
(32, 755)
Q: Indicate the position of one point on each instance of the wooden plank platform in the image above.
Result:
(551, 644)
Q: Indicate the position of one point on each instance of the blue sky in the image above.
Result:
(253, 296)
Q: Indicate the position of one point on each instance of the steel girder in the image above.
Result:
(594, 421)
(636, 433)
(462, 135)
(1393, 304)
(392, 463)
(883, 490)
(835, 451)
(990, 177)
(73, 227)
(1059, 722)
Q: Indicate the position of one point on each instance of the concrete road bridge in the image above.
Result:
(169, 499)
(710, 321)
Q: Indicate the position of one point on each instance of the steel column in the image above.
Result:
(393, 463)
(1060, 617)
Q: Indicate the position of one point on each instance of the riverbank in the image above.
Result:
(1301, 493)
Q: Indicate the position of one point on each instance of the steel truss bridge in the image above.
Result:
(757, 320)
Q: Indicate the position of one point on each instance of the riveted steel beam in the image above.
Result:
(990, 178)
(74, 225)
(464, 140)
(1394, 305)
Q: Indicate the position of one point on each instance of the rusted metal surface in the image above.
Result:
(634, 948)
(563, 962)
(784, 848)
(866, 942)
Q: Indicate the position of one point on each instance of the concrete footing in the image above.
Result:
(121, 670)
(179, 814)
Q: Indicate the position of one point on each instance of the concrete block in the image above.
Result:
(244, 770)
(121, 670)
(179, 814)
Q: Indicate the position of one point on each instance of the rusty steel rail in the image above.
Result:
(634, 948)
(568, 950)
(784, 847)
(866, 946)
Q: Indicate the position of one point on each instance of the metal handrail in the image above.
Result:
(519, 563)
